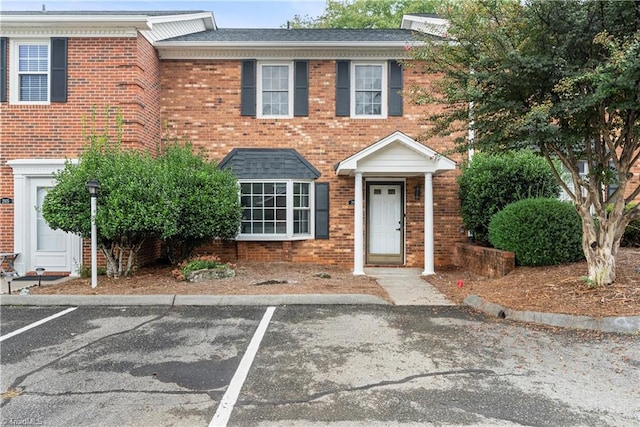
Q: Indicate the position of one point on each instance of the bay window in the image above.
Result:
(276, 210)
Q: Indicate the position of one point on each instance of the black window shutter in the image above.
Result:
(343, 107)
(3, 69)
(248, 96)
(395, 88)
(59, 69)
(301, 89)
(322, 210)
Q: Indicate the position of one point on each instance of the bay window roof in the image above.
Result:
(268, 163)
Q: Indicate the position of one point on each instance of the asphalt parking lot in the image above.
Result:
(308, 365)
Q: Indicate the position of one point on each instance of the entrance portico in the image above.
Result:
(392, 159)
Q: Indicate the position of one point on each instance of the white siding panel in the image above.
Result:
(396, 157)
(167, 30)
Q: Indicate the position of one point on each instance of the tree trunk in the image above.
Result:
(600, 244)
(602, 267)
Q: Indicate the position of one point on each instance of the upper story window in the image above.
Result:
(38, 70)
(275, 90)
(368, 90)
(32, 68)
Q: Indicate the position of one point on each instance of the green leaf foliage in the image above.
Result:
(205, 200)
(492, 181)
(560, 76)
(365, 13)
(178, 196)
(540, 231)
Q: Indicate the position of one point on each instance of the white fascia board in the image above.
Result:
(207, 18)
(284, 45)
(320, 50)
(138, 22)
(283, 54)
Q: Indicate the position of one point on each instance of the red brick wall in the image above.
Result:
(201, 101)
(122, 73)
(485, 261)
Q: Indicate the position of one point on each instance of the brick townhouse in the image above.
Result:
(315, 124)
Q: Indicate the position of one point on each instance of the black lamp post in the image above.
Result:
(40, 273)
(93, 186)
(8, 276)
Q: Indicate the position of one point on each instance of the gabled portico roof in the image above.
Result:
(395, 155)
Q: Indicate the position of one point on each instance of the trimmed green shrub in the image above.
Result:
(540, 231)
(492, 181)
(204, 200)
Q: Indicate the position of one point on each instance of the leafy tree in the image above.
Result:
(131, 203)
(179, 197)
(561, 77)
(205, 199)
(492, 181)
(365, 13)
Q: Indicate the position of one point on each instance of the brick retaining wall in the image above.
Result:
(485, 261)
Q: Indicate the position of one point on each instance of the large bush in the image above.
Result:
(131, 203)
(491, 182)
(540, 231)
(205, 198)
(178, 196)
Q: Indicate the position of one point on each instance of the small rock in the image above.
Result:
(271, 282)
(207, 274)
(637, 269)
(322, 275)
(24, 291)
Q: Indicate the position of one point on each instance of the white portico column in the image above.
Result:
(428, 225)
(358, 244)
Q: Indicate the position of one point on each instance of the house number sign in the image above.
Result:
(6, 201)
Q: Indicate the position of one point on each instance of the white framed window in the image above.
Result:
(30, 72)
(369, 89)
(276, 210)
(275, 89)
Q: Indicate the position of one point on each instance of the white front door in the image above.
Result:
(51, 249)
(385, 224)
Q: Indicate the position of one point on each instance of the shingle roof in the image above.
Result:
(297, 35)
(268, 163)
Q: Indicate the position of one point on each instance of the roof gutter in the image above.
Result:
(285, 45)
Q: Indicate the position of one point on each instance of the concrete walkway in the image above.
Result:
(406, 286)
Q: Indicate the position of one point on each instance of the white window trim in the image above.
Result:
(14, 80)
(289, 234)
(385, 89)
(259, 114)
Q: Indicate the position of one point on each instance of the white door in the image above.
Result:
(48, 248)
(385, 224)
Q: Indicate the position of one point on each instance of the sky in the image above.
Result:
(227, 13)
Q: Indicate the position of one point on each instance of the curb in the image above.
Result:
(190, 300)
(621, 325)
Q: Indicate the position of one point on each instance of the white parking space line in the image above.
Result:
(222, 415)
(38, 323)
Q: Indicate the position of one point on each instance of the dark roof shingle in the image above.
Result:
(297, 35)
(268, 163)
